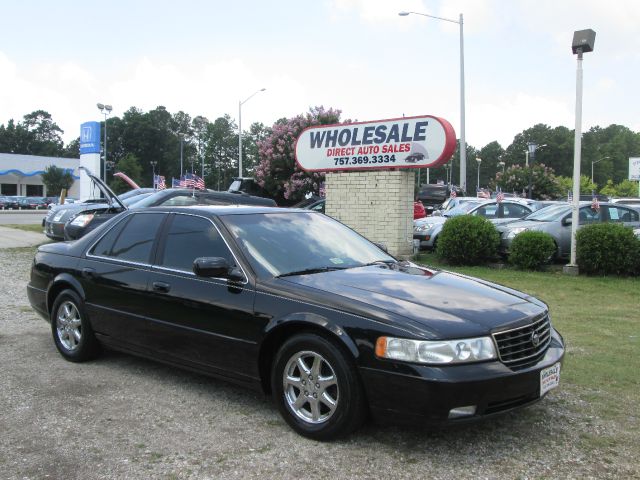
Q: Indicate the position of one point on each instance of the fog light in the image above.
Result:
(462, 411)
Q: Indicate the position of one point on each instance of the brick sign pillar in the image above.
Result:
(377, 204)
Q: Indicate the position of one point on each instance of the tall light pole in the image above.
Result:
(463, 143)
(105, 110)
(583, 42)
(153, 167)
(181, 135)
(593, 163)
(479, 160)
(531, 147)
(240, 103)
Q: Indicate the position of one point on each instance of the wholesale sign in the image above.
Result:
(412, 142)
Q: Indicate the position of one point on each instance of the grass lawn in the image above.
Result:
(599, 318)
(27, 227)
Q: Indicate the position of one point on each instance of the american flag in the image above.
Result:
(482, 194)
(500, 196)
(159, 182)
(191, 180)
(595, 205)
(453, 193)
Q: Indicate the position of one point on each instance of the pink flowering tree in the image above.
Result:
(516, 180)
(277, 171)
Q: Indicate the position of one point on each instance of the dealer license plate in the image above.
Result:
(549, 378)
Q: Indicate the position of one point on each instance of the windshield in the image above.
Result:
(281, 243)
(551, 213)
(461, 209)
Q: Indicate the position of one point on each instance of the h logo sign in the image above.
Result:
(85, 137)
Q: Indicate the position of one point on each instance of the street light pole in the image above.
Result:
(153, 167)
(592, 164)
(479, 160)
(181, 135)
(463, 143)
(105, 110)
(583, 42)
(240, 103)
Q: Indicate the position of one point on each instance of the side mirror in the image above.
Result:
(381, 246)
(211, 267)
(567, 221)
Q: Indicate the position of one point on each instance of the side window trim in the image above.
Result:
(162, 240)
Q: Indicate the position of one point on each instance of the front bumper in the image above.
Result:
(426, 239)
(428, 394)
(54, 230)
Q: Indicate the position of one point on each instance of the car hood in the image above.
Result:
(434, 303)
(431, 219)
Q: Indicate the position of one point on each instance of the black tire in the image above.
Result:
(71, 329)
(350, 406)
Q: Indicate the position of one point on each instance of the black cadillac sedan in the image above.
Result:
(295, 304)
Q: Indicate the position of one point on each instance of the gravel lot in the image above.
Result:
(124, 417)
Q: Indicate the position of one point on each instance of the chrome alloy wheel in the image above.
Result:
(69, 326)
(310, 387)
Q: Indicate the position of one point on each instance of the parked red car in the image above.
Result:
(418, 210)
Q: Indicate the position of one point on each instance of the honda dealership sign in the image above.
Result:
(412, 142)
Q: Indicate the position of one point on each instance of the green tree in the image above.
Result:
(130, 166)
(627, 188)
(56, 179)
(565, 184)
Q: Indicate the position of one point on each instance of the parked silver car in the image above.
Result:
(427, 230)
(556, 221)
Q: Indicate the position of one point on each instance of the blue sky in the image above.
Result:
(356, 55)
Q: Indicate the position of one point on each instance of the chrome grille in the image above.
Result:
(522, 347)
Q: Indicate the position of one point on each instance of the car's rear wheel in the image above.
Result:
(72, 332)
(317, 388)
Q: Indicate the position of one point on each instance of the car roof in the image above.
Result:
(223, 210)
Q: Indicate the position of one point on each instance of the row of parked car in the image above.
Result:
(513, 216)
(72, 221)
(14, 202)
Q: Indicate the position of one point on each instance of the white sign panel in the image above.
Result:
(634, 168)
(412, 142)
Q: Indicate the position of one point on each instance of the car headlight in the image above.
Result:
(436, 352)
(423, 227)
(82, 220)
(515, 231)
(58, 215)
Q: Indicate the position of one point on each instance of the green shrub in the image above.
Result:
(607, 248)
(468, 240)
(531, 250)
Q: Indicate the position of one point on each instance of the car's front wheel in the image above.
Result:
(72, 332)
(316, 388)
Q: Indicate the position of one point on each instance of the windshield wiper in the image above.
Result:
(308, 271)
(379, 262)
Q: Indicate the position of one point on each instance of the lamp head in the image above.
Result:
(403, 14)
(108, 108)
(583, 41)
(100, 106)
(532, 147)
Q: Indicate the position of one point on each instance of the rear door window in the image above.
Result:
(621, 214)
(131, 240)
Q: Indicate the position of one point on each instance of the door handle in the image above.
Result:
(88, 272)
(161, 287)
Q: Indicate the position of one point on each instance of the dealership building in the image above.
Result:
(22, 174)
